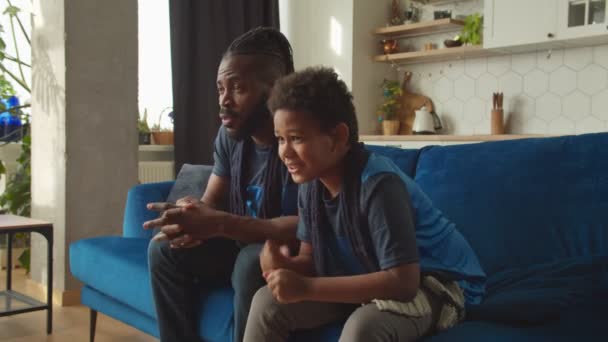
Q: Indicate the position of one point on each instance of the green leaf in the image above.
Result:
(12, 10)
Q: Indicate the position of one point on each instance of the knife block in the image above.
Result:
(497, 122)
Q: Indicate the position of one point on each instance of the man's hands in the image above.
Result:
(187, 223)
(288, 286)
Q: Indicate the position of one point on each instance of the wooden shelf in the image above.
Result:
(438, 2)
(445, 137)
(420, 29)
(437, 55)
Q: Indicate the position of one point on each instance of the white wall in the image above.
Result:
(321, 33)
(338, 34)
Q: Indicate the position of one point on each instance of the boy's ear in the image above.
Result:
(340, 135)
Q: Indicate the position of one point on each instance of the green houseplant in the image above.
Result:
(472, 29)
(163, 136)
(387, 112)
(143, 129)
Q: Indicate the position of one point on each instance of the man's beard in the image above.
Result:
(256, 118)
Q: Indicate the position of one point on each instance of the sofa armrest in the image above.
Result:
(135, 211)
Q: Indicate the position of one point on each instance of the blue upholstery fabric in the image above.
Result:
(523, 202)
(546, 291)
(580, 324)
(135, 211)
(117, 309)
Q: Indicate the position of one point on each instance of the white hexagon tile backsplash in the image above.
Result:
(562, 91)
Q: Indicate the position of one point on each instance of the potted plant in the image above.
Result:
(472, 29)
(162, 136)
(387, 112)
(143, 129)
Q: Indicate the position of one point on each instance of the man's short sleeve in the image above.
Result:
(391, 220)
(222, 150)
(303, 232)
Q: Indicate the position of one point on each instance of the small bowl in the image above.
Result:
(452, 43)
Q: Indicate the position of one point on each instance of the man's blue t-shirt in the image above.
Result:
(222, 156)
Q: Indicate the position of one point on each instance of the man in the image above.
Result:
(201, 245)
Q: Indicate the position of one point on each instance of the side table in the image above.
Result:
(13, 302)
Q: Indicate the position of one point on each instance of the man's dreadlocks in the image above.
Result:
(265, 42)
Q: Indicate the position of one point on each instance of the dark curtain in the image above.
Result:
(201, 30)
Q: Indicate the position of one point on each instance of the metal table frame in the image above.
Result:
(9, 295)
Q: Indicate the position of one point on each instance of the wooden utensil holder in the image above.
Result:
(497, 122)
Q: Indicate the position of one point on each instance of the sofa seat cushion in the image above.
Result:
(117, 267)
(548, 292)
(579, 326)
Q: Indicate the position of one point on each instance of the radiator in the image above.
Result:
(155, 171)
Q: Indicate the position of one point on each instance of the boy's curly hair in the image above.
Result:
(319, 92)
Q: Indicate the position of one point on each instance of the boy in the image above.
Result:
(368, 234)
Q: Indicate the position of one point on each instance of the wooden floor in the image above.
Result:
(70, 324)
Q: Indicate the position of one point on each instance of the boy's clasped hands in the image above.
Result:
(286, 285)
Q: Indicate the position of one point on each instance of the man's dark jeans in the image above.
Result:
(179, 275)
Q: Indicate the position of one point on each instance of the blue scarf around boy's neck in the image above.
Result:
(272, 184)
(355, 225)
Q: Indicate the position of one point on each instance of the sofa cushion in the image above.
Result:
(523, 202)
(191, 181)
(580, 325)
(136, 212)
(548, 292)
(405, 159)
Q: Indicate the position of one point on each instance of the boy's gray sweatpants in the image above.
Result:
(270, 321)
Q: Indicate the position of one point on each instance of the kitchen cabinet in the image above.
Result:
(519, 22)
(524, 25)
(582, 18)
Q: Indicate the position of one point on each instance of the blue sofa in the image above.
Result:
(535, 211)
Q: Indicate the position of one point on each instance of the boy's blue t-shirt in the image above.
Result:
(384, 201)
(396, 209)
(222, 152)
